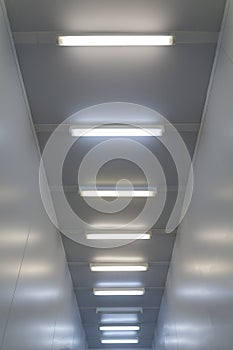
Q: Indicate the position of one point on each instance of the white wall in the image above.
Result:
(197, 310)
(38, 309)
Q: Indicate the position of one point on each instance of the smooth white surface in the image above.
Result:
(118, 291)
(115, 40)
(38, 310)
(118, 267)
(197, 308)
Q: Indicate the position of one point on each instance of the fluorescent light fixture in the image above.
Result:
(119, 334)
(119, 319)
(117, 235)
(111, 319)
(115, 40)
(118, 267)
(117, 131)
(119, 310)
(118, 193)
(119, 328)
(118, 291)
(119, 341)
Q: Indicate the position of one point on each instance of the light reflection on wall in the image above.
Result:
(216, 237)
(12, 238)
(42, 294)
(210, 267)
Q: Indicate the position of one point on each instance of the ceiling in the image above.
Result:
(60, 81)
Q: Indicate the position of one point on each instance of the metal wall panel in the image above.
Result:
(38, 309)
(197, 309)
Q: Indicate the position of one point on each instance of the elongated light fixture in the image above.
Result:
(115, 40)
(119, 310)
(118, 267)
(119, 341)
(118, 193)
(118, 291)
(119, 328)
(117, 235)
(116, 131)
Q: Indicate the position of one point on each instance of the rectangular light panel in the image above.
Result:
(116, 235)
(119, 328)
(117, 319)
(118, 267)
(119, 193)
(119, 341)
(116, 131)
(118, 291)
(115, 40)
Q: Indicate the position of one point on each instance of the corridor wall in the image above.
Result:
(197, 307)
(38, 309)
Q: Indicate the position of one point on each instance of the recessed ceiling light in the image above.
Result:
(119, 341)
(116, 131)
(118, 193)
(118, 267)
(115, 40)
(119, 328)
(118, 291)
(117, 235)
(119, 319)
(118, 310)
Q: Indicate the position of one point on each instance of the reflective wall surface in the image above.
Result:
(38, 309)
(197, 309)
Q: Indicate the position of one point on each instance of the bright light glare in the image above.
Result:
(116, 318)
(118, 291)
(115, 40)
(118, 193)
(117, 235)
(118, 267)
(119, 328)
(119, 341)
(116, 131)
